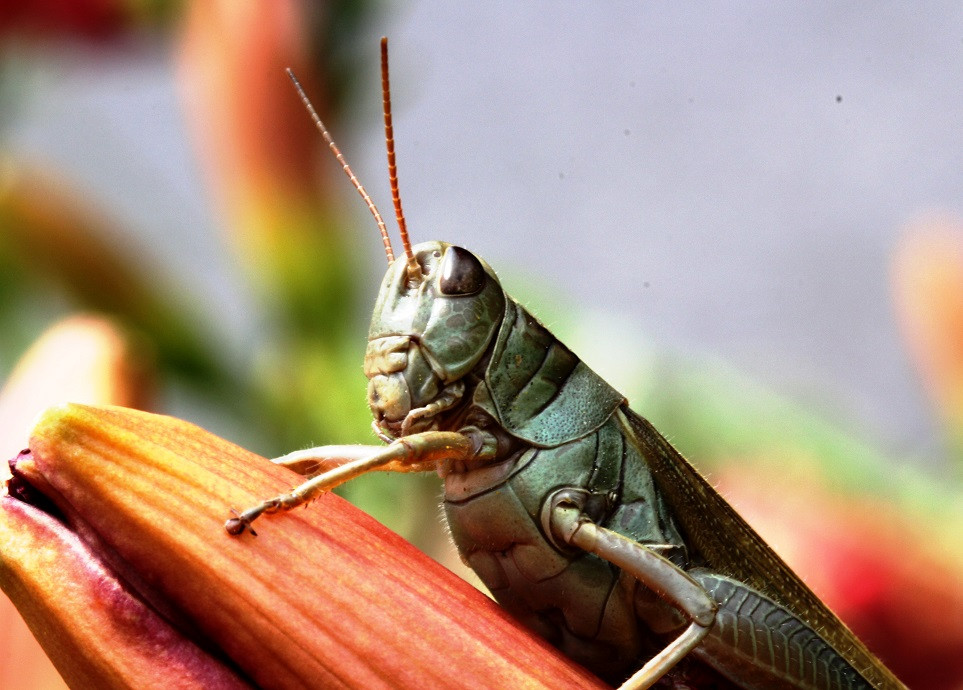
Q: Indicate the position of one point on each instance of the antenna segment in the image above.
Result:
(414, 270)
(347, 170)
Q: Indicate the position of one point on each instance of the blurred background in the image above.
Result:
(748, 219)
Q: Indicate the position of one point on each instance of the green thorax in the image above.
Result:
(537, 389)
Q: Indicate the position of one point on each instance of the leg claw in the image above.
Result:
(237, 524)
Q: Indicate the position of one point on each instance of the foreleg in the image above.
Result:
(415, 453)
(314, 461)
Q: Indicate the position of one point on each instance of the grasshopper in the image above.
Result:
(575, 512)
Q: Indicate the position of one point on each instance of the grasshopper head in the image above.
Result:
(427, 334)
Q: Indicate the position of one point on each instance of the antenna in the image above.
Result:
(414, 270)
(344, 166)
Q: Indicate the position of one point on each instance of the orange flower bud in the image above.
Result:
(324, 597)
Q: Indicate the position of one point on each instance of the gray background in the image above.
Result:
(688, 167)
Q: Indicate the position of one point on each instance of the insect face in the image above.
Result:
(427, 334)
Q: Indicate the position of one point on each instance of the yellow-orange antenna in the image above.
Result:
(414, 270)
(344, 165)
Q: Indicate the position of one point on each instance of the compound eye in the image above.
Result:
(461, 273)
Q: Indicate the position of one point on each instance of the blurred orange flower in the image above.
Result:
(928, 294)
